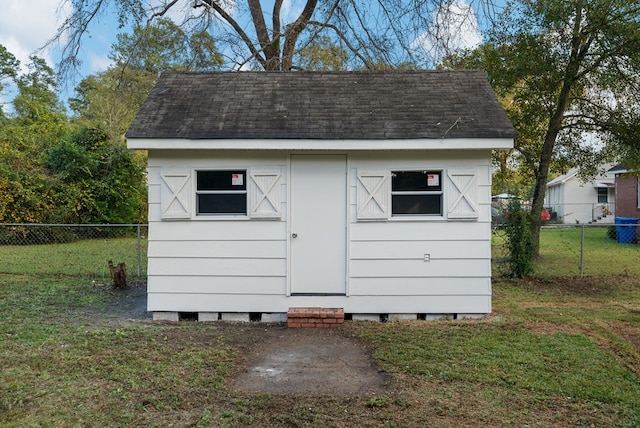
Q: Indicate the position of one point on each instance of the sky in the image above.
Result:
(26, 26)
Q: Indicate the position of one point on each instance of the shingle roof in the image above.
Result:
(319, 105)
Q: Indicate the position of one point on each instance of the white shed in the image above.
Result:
(365, 192)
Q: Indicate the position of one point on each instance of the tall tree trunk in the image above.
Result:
(293, 32)
(541, 183)
(579, 49)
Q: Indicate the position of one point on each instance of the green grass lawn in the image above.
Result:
(559, 350)
(87, 258)
(561, 252)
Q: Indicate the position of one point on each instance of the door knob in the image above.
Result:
(294, 235)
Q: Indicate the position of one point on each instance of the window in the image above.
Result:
(416, 193)
(603, 195)
(221, 192)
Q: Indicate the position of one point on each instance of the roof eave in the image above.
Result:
(320, 145)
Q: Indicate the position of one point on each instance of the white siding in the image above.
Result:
(207, 256)
(575, 200)
(230, 264)
(387, 258)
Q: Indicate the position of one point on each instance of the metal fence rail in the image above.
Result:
(73, 249)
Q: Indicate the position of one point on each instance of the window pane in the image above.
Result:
(416, 204)
(602, 195)
(222, 180)
(416, 180)
(222, 204)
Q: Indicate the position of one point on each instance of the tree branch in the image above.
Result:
(344, 39)
(259, 23)
(293, 32)
(229, 19)
(162, 11)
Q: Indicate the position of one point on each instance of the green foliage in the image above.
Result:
(165, 46)
(9, 66)
(99, 182)
(37, 99)
(322, 54)
(519, 240)
(26, 191)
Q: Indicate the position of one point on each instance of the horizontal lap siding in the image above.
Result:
(436, 286)
(202, 263)
(419, 268)
(241, 265)
(212, 267)
(387, 258)
(195, 284)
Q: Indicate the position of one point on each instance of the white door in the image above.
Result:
(318, 224)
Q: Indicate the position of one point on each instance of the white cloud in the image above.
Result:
(98, 63)
(25, 27)
(454, 28)
(290, 11)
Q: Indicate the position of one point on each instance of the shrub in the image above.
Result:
(519, 240)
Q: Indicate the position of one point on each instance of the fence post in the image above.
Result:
(582, 251)
(138, 250)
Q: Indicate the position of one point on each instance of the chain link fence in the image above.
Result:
(581, 249)
(85, 250)
(82, 250)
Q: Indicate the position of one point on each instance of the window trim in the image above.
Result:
(197, 193)
(602, 191)
(441, 193)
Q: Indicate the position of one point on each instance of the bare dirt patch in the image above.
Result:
(310, 362)
(277, 360)
(581, 286)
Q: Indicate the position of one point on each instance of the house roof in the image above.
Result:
(563, 178)
(602, 180)
(322, 105)
(618, 169)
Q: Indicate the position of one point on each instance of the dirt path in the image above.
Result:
(310, 362)
(280, 360)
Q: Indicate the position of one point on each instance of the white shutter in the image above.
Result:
(175, 194)
(462, 194)
(265, 193)
(373, 195)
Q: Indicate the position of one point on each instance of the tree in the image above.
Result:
(565, 70)
(97, 182)
(380, 32)
(39, 120)
(111, 99)
(322, 54)
(9, 66)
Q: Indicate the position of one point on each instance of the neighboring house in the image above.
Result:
(627, 192)
(367, 192)
(576, 201)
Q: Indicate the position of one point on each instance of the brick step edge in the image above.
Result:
(315, 317)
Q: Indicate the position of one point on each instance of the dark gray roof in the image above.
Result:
(319, 105)
(618, 169)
